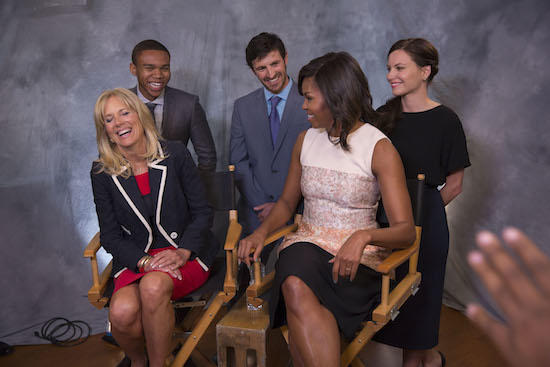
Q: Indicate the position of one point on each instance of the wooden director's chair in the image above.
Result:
(221, 288)
(391, 299)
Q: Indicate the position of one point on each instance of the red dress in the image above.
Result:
(193, 273)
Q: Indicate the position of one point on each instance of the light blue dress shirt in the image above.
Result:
(282, 103)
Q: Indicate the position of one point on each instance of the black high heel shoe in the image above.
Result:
(443, 360)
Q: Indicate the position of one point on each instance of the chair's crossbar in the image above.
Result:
(189, 304)
(199, 329)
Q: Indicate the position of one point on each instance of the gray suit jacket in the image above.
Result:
(184, 118)
(260, 167)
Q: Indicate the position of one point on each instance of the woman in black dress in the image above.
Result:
(430, 139)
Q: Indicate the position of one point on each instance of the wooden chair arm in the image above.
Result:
(233, 234)
(234, 231)
(399, 257)
(99, 281)
(92, 247)
(274, 236)
(96, 291)
(283, 231)
(392, 301)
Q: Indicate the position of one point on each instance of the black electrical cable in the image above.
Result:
(56, 330)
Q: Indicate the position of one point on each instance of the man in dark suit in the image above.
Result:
(264, 128)
(177, 114)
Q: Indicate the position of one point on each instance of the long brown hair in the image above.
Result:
(423, 53)
(345, 89)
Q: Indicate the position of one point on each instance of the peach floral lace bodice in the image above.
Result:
(340, 192)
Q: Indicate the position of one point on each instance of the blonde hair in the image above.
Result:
(110, 158)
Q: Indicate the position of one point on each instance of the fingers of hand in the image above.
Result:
(335, 270)
(173, 273)
(537, 263)
(493, 282)
(158, 259)
(245, 248)
(344, 269)
(240, 249)
(259, 207)
(166, 259)
(257, 252)
(503, 277)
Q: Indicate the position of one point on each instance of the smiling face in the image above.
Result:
(271, 71)
(123, 126)
(404, 75)
(152, 71)
(318, 113)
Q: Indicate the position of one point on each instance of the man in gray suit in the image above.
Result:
(177, 114)
(264, 128)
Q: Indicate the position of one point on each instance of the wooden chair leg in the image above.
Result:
(199, 329)
(353, 349)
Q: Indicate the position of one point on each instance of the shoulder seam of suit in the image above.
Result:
(249, 95)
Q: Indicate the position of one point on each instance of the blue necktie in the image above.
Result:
(274, 120)
(151, 106)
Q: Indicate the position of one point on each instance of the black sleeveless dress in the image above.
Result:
(430, 142)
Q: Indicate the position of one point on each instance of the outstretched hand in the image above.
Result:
(522, 293)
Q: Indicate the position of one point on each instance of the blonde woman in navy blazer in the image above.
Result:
(154, 220)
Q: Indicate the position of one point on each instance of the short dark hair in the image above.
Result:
(147, 45)
(345, 90)
(262, 44)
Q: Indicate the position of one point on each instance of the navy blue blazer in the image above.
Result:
(182, 213)
(261, 167)
(182, 118)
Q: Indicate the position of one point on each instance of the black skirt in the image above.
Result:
(417, 326)
(350, 302)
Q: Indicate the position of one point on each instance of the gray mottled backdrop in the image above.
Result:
(57, 56)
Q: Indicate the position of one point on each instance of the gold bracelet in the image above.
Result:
(144, 261)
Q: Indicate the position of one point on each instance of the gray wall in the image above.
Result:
(57, 56)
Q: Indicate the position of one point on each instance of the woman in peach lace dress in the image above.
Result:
(325, 282)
